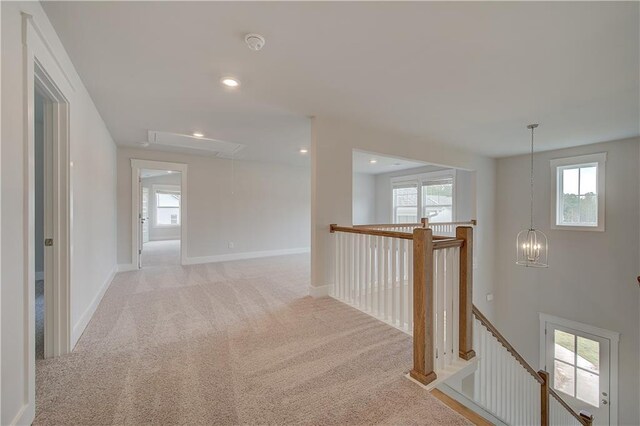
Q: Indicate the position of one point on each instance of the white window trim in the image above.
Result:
(614, 340)
(600, 159)
(418, 180)
(166, 188)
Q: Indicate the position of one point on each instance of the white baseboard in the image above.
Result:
(25, 416)
(82, 323)
(319, 291)
(39, 275)
(242, 256)
(124, 267)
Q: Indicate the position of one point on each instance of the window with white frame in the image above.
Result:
(429, 195)
(167, 206)
(578, 188)
(437, 199)
(405, 203)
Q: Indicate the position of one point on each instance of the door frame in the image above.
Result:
(136, 166)
(612, 336)
(42, 69)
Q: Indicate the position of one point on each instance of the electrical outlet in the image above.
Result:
(489, 297)
(231, 245)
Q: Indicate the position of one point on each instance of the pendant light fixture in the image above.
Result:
(531, 244)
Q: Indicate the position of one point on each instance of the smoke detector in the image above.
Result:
(254, 41)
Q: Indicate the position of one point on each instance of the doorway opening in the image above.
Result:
(160, 217)
(158, 214)
(582, 364)
(49, 218)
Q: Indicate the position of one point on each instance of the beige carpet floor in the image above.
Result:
(161, 253)
(232, 343)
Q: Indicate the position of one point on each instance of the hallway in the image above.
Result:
(161, 253)
(232, 343)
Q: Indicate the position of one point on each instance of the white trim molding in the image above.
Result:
(319, 291)
(86, 316)
(599, 159)
(245, 255)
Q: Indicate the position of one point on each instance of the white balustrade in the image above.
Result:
(375, 275)
(501, 384)
(559, 415)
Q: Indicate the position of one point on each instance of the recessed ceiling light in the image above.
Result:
(230, 82)
(198, 134)
(303, 150)
(169, 171)
(373, 161)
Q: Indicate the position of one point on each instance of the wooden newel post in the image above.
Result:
(466, 292)
(544, 398)
(423, 306)
(425, 223)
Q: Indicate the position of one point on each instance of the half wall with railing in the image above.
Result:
(422, 284)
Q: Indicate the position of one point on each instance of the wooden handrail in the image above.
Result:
(389, 225)
(366, 231)
(584, 419)
(446, 243)
(505, 343)
(391, 234)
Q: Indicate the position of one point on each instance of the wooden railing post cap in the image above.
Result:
(332, 227)
(587, 417)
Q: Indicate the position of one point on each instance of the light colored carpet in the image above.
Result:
(161, 253)
(39, 319)
(232, 343)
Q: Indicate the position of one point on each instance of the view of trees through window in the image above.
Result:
(579, 196)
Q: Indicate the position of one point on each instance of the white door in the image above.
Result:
(579, 369)
(145, 215)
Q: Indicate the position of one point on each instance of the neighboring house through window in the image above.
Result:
(429, 195)
(167, 205)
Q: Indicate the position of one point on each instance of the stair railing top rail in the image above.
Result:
(422, 224)
(439, 242)
(583, 419)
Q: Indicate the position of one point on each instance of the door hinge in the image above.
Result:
(48, 242)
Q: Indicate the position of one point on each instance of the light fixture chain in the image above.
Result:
(532, 129)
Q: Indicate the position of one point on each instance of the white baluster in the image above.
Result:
(394, 280)
(401, 280)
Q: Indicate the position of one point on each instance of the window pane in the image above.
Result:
(405, 203)
(570, 181)
(168, 216)
(589, 209)
(588, 354)
(588, 387)
(563, 377)
(437, 200)
(588, 181)
(165, 199)
(564, 346)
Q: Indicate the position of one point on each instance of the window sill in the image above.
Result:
(166, 226)
(599, 228)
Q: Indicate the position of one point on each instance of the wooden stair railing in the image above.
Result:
(542, 377)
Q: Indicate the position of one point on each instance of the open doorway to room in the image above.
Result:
(158, 213)
(160, 217)
(392, 190)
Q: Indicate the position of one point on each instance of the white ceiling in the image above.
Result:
(362, 163)
(147, 173)
(467, 74)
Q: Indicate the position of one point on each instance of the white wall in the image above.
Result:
(333, 142)
(364, 199)
(158, 233)
(257, 206)
(93, 228)
(591, 276)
